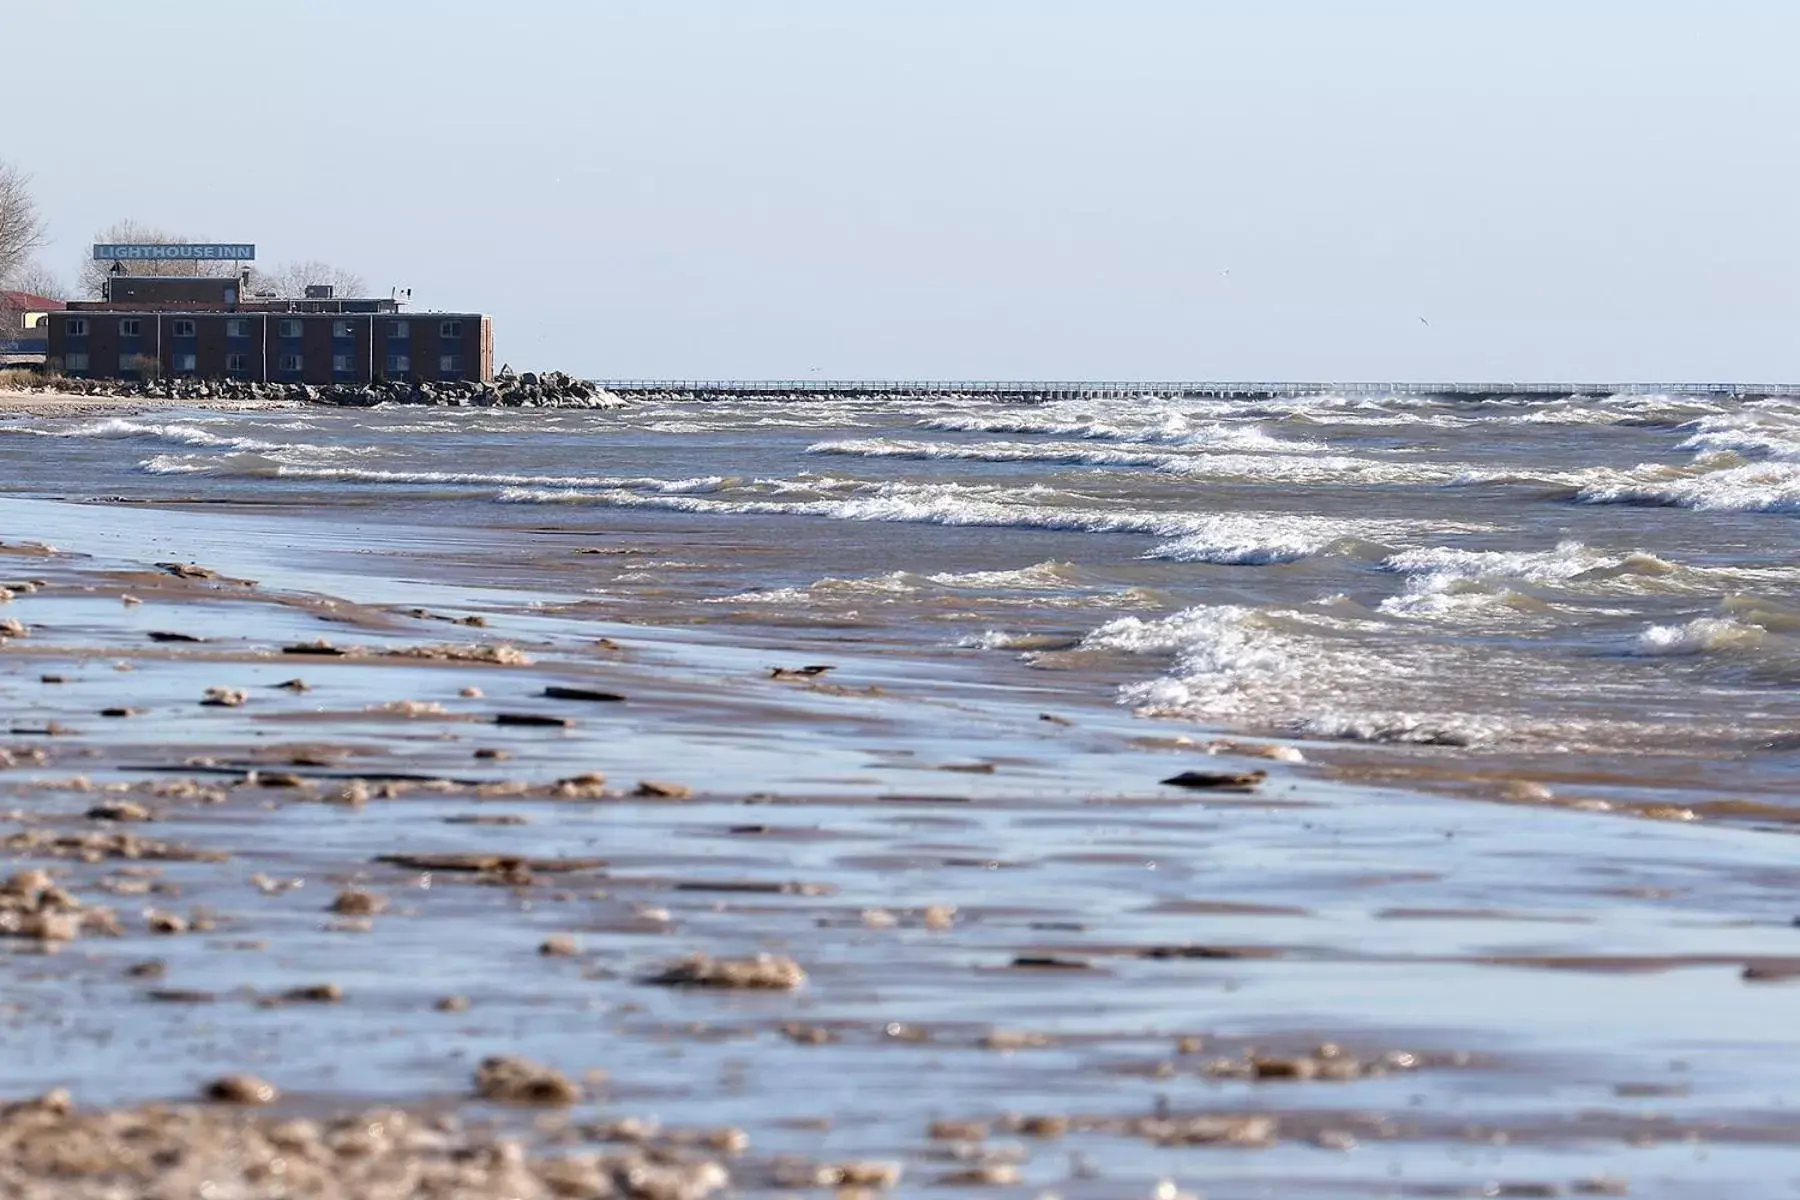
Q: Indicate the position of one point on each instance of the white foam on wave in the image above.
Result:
(830, 589)
(1456, 599)
(1301, 469)
(258, 466)
(1248, 539)
(1313, 672)
(1289, 671)
(1565, 482)
(1569, 560)
(1229, 662)
(1332, 409)
(1751, 487)
(1229, 538)
(997, 452)
(685, 426)
(1180, 423)
(1039, 585)
(1566, 414)
(1763, 432)
(1702, 635)
(181, 434)
(1744, 460)
(1447, 583)
(1315, 470)
(1618, 409)
(1043, 576)
(998, 639)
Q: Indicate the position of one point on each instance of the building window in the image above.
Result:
(342, 329)
(237, 362)
(237, 328)
(400, 330)
(343, 363)
(184, 329)
(290, 329)
(288, 362)
(130, 327)
(185, 364)
(450, 329)
(77, 328)
(76, 361)
(399, 364)
(450, 364)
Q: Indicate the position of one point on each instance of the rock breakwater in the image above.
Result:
(529, 389)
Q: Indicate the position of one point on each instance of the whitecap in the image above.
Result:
(1702, 635)
(273, 467)
(1772, 486)
(1270, 467)
(1240, 538)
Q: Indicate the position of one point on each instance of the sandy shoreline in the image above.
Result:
(1017, 944)
(59, 404)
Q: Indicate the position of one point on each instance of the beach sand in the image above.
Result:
(64, 404)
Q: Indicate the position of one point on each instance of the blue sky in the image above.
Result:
(972, 188)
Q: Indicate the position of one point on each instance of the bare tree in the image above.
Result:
(21, 229)
(34, 280)
(39, 280)
(289, 281)
(92, 280)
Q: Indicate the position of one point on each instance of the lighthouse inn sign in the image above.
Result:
(175, 252)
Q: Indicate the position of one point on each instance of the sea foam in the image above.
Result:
(1702, 635)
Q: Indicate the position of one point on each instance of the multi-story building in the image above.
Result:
(165, 326)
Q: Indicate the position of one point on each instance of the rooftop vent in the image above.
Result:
(318, 291)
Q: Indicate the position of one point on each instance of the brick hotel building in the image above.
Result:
(200, 328)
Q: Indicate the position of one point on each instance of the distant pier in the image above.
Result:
(1029, 391)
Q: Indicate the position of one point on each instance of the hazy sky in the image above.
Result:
(1265, 189)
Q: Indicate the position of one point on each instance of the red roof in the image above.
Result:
(25, 301)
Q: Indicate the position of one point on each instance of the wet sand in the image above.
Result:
(63, 404)
(354, 836)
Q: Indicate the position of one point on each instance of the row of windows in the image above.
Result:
(346, 364)
(240, 328)
(183, 364)
(343, 364)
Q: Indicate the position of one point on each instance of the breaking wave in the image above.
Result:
(1226, 538)
(1314, 673)
(1752, 487)
(1272, 467)
(1702, 635)
(260, 467)
(1280, 671)
(1040, 585)
(178, 434)
(1743, 461)
(1166, 425)
(1439, 569)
